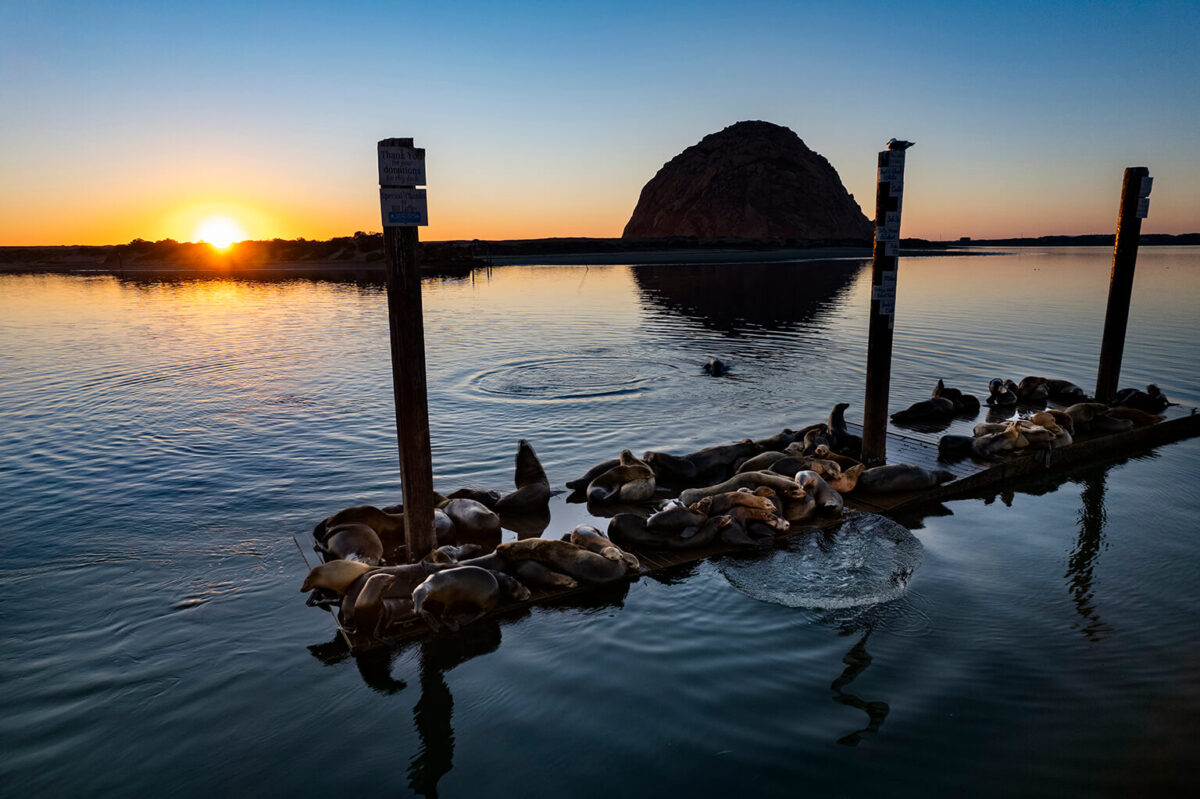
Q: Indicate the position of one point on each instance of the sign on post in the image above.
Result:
(401, 166)
(403, 207)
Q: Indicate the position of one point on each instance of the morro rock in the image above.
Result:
(752, 180)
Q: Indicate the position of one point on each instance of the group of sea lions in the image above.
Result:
(1048, 428)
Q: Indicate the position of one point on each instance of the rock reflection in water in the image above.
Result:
(728, 297)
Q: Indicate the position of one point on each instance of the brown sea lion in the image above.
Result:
(963, 403)
(486, 497)
(750, 480)
(718, 504)
(745, 514)
(799, 506)
(388, 526)
(536, 574)
(676, 520)
(1152, 400)
(717, 462)
(847, 480)
(1033, 389)
(934, 408)
(1053, 415)
(1065, 391)
(533, 487)
(776, 442)
(352, 541)
(843, 440)
(901, 477)
(999, 393)
(792, 464)
(631, 481)
(1084, 413)
(668, 468)
(1139, 417)
(841, 460)
(818, 436)
(377, 606)
(564, 557)
(593, 540)
(455, 597)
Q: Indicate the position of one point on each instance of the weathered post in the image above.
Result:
(1135, 206)
(888, 193)
(403, 206)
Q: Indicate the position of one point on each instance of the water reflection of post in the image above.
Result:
(1082, 562)
(857, 660)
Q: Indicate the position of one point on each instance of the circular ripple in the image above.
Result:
(867, 560)
(590, 377)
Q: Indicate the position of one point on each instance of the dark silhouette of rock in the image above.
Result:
(752, 180)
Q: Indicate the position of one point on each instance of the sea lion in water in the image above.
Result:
(828, 501)
(352, 541)
(533, 487)
(901, 477)
(715, 367)
(593, 540)
(630, 481)
(456, 596)
(564, 557)
(751, 480)
(472, 519)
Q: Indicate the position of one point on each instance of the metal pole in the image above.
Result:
(1135, 205)
(888, 194)
(401, 169)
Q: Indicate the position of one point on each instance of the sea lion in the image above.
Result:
(843, 440)
(630, 529)
(963, 403)
(486, 497)
(844, 461)
(443, 527)
(799, 506)
(847, 480)
(593, 540)
(581, 483)
(792, 464)
(346, 578)
(1000, 394)
(828, 501)
(472, 519)
(1152, 400)
(953, 448)
(776, 442)
(1111, 424)
(750, 480)
(991, 445)
(1050, 422)
(455, 597)
(1054, 416)
(1066, 392)
(1033, 389)
(901, 477)
(934, 408)
(715, 367)
(536, 574)
(533, 488)
(668, 468)
(388, 526)
(761, 461)
(1138, 417)
(1084, 413)
(718, 461)
(564, 557)
(376, 606)
(718, 504)
(676, 520)
(819, 436)
(453, 553)
(352, 541)
(630, 481)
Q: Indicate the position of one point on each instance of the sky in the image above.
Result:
(122, 120)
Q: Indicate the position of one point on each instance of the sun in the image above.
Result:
(219, 231)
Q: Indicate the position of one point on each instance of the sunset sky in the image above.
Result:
(126, 119)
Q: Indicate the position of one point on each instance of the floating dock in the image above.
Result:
(973, 478)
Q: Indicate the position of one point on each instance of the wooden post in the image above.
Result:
(888, 193)
(1135, 205)
(401, 169)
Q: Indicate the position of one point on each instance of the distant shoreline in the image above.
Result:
(361, 257)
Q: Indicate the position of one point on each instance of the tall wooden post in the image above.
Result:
(1135, 206)
(889, 191)
(403, 206)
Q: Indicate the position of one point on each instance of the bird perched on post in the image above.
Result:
(899, 144)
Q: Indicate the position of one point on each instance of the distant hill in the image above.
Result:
(752, 180)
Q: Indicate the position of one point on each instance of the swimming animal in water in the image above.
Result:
(715, 367)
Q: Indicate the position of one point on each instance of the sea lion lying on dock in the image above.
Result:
(1001, 393)
(629, 529)
(963, 403)
(630, 481)
(901, 477)
(591, 539)
(533, 487)
(455, 597)
(828, 501)
(352, 541)
(581, 483)
(844, 441)
(932, 409)
(1152, 400)
(472, 520)
(782, 484)
(565, 558)
(486, 497)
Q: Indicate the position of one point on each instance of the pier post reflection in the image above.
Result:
(857, 660)
(1081, 564)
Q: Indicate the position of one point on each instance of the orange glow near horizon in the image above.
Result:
(219, 231)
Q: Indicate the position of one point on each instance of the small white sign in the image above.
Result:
(1143, 209)
(1147, 184)
(403, 207)
(401, 166)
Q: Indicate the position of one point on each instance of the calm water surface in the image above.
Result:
(162, 442)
